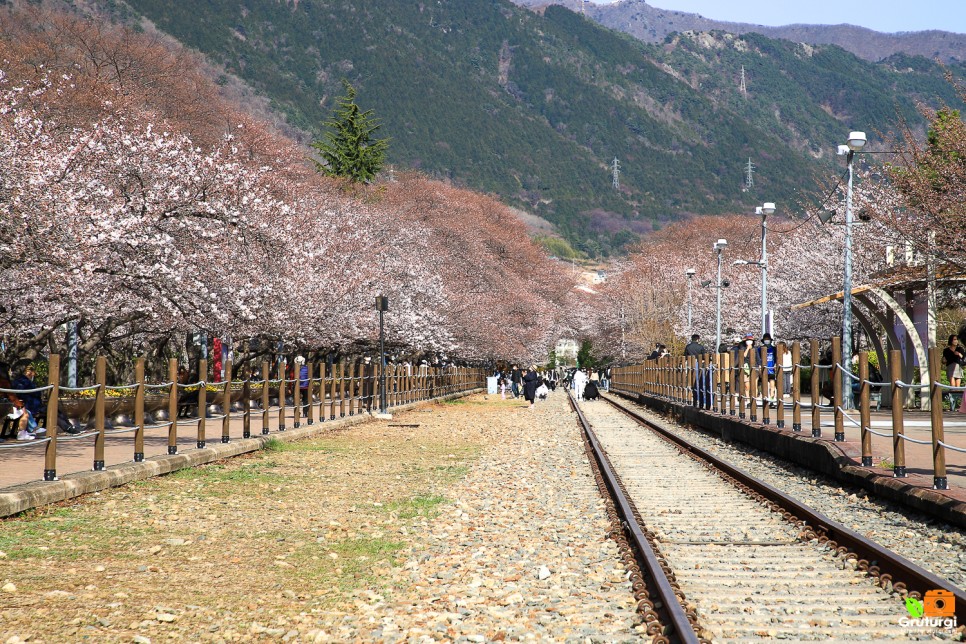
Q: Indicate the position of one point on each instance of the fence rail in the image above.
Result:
(345, 388)
(722, 384)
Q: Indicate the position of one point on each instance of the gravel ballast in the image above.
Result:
(935, 546)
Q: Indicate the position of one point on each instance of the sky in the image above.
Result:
(880, 15)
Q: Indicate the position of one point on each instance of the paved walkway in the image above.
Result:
(917, 425)
(24, 462)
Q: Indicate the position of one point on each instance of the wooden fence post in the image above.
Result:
(281, 395)
(733, 381)
(226, 405)
(816, 390)
(309, 406)
(898, 442)
(753, 377)
(139, 411)
(780, 351)
(202, 401)
(50, 454)
(297, 397)
(265, 387)
(247, 406)
(100, 379)
(836, 372)
(342, 405)
(173, 406)
(939, 479)
(332, 385)
(796, 387)
(865, 415)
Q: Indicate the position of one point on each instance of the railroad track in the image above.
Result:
(722, 557)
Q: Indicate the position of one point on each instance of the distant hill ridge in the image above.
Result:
(653, 24)
(535, 105)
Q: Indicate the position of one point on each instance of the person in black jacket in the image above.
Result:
(530, 382)
(695, 349)
(516, 381)
(32, 400)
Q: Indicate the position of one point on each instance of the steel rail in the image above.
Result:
(677, 615)
(872, 557)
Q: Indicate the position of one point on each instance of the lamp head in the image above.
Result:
(768, 208)
(690, 272)
(725, 283)
(705, 283)
(740, 262)
(856, 141)
(720, 245)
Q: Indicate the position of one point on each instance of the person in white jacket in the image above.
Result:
(580, 381)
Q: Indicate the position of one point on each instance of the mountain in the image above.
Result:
(652, 24)
(535, 107)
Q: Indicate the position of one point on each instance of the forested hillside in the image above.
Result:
(534, 107)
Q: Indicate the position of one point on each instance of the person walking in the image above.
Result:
(743, 357)
(787, 373)
(770, 358)
(530, 382)
(516, 381)
(953, 356)
(693, 349)
(579, 383)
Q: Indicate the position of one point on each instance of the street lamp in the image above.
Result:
(764, 210)
(690, 273)
(718, 248)
(855, 143)
(382, 305)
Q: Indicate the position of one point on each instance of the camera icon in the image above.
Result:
(939, 603)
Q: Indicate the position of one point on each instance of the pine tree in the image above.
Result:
(349, 149)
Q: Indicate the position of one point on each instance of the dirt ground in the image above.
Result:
(249, 549)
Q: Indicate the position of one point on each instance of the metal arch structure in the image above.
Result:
(908, 369)
(911, 334)
(871, 332)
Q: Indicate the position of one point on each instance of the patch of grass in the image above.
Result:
(257, 472)
(453, 472)
(419, 505)
(357, 564)
(273, 445)
(326, 447)
(64, 533)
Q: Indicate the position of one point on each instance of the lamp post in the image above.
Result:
(382, 305)
(690, 273)
(765, 210)
(718, 248)
(855, 143)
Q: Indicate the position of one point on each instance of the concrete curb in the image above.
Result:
(26, 496)
(836, 460)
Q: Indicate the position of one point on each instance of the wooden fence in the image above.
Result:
(721, 384)
(340, 389)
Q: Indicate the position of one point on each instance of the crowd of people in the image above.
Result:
(741, 351)
(531, 383)
(779, 388)
(534, 383)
